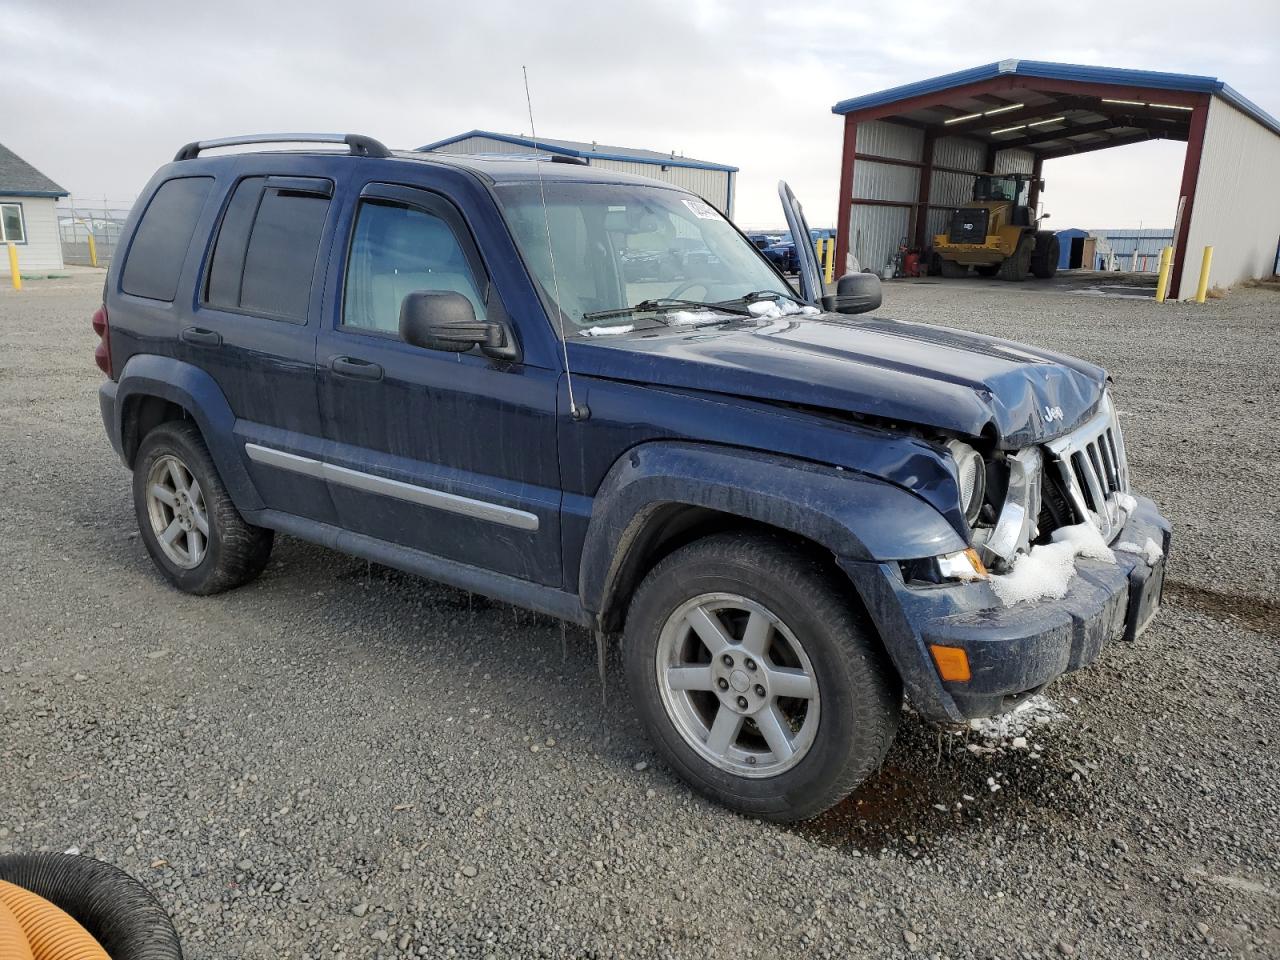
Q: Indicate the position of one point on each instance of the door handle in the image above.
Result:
(202, 337)
(355, 367)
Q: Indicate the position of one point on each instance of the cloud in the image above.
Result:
(99, 95)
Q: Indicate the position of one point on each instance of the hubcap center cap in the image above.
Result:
(739, 680)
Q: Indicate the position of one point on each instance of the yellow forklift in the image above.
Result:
(998, 233)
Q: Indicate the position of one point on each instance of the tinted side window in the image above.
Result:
(395, 251)
(266, 252)
(160, 243)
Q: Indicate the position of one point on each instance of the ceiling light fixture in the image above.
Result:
(967, 116)
(1168, 106)
(1127, 103)
(1041, 123)
(1011, 106)
(1008, 129)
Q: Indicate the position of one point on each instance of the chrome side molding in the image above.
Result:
(384, 486)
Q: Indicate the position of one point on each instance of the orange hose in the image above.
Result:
(50, 932)
(13, 939)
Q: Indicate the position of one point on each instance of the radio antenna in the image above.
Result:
(577, 412)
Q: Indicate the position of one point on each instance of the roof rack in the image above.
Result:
(361, 146)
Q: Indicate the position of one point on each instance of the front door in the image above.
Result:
(806, 257)
(449, 453)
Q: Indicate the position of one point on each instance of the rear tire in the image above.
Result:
(1044, 262)
(192, 530)
(779, 620)
(952, 270)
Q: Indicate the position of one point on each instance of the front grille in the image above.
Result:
(1093, 470)
(969, 226)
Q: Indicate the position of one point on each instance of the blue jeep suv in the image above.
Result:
(793, 513)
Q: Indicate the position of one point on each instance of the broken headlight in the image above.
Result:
(971, 477)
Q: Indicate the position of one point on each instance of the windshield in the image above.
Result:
(622, 249)
(1000, 188)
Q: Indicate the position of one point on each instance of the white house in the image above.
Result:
(27, 216)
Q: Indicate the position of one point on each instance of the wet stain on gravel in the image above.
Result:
(914, 802)
(1254, 613)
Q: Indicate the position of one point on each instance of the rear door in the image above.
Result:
(806, 257)
(254, 324)
(453, 454)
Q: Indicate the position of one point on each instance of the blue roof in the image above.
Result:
(1042, 69)
(578, 148)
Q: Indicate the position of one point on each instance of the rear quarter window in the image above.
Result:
(160, 243)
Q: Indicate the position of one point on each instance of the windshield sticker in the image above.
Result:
(701, 209)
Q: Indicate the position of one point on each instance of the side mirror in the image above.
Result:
(855, 293)
(1044, 216)
(445, 320)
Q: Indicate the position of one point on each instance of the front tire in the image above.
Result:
(952, 270)
(193, 531)
(757, 679)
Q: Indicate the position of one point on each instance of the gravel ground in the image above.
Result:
(341, 761)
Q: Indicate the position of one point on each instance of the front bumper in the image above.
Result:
(1013, 651)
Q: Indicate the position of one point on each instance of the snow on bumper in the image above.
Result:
(1015, 649)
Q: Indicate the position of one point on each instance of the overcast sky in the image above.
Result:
(97, 95)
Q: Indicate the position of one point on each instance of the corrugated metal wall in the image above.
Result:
(1014, 161)
(712, 185)
(951, 190)
(876, 231)
(1237, 202)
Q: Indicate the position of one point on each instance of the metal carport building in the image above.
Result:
(910, 154)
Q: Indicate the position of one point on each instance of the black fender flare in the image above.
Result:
(853, 515)
(193, 389)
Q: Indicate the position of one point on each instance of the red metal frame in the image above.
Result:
(1190, 177)
(844, 211)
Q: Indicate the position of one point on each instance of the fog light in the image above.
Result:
(965, 565)
(953, 662)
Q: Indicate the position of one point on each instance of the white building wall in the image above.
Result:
(43, 249)
(715, 186)
(1237, 202)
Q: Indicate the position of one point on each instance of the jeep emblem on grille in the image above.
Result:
(1052, 413)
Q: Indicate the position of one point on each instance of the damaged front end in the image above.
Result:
(977, 644)
(1081, 477)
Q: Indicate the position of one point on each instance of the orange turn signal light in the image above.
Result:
(953, 662)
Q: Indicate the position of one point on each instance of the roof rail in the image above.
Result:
(361, 146)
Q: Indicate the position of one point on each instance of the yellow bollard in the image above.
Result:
(830, 270)
(13, 267)
(1203, 289)
(1162, 284)
(93, 250)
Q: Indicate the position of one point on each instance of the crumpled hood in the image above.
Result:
(917, 373)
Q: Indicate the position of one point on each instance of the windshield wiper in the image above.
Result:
(755, 296)
(664, 303)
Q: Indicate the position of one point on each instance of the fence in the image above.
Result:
(79, 218)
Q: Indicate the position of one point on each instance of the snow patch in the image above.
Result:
(1016, 728)
(608, 331)
(1127, 503)
(694, 316)
(1150, 550)
(769, 309)
(1045, 571)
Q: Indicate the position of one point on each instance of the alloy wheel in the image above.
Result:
(176, 509)
(737, 685)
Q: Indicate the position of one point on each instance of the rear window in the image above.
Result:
(266, 251)
(160, 243)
